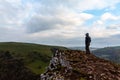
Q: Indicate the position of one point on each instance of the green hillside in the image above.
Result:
(109, 53)
(13, 69)
(34, 56)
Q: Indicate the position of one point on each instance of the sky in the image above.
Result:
(60, 22)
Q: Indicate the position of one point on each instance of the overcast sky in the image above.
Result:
(60, 22)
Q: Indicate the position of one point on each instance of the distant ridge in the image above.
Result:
(109, 53)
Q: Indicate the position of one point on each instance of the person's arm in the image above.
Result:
(90, 39)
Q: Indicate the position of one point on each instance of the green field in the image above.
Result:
(34, 56)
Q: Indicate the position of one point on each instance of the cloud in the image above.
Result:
(10, 34)
(13, 13)
(96, 4)
(81, 5)
(63, 20)
(12, 17)
(114, 26)
(40, 23)
(106, 25)
(109, 16)
(60, 22)
(103, 31)
(112, 40)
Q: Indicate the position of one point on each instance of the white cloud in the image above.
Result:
(109, 16)
(93, 4)
(13, 13)
(64, 23)
(14, 1)
(114, 26)
(52, 20)
(105, 26)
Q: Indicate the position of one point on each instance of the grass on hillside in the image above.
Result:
(35, 57)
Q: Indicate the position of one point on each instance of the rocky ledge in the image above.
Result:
(76, 65)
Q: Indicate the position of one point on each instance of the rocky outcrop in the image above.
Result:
(76, 65)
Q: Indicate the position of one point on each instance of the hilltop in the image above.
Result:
(76, 65)
(34, 56)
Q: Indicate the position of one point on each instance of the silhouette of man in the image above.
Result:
(87, 43)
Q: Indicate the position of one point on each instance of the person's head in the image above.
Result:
(87, 34)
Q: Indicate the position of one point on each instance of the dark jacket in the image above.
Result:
(87, 40)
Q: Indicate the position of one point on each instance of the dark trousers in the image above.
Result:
(87, 48)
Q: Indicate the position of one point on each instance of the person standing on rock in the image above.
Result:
(87, 43)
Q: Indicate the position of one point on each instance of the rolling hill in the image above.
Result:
(34, 56)
(109, 53)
